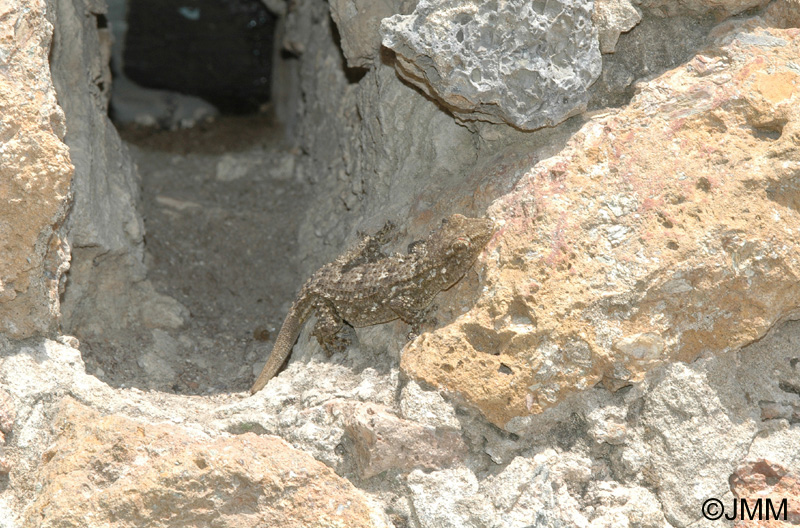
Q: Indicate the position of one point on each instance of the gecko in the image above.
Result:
(365, 287)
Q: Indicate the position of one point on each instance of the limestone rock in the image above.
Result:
(661, 232)
(613, 17)
(449, 499)
(105, 231)
(721, 8)
(427, 407)
(8, 414)
(35, 175)
(522, 63)
(385, 442)
(680, 413)
(115, 472)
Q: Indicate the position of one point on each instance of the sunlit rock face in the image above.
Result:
(663, 231)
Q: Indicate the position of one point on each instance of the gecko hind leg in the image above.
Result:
(327, 329)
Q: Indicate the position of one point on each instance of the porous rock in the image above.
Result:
(449, 499)
(527, 64)
(8, 414)
(427, 407)
(116, 472)
(35, 175)
(661, 232)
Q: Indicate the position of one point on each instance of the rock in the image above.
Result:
(427, 407)
(358, 22)
(132, 103)
(385, 442)
(117, 472)
(536, 490)
(783, 14)
(157, 362)
(464, 34)
(720, 8)
(7, 416)
(616, 505)
(35, 175)
(549, 489)
(613, 17)
(760, 480)
(607, 423)
(679, 413)
(104, 229)
(449, 499)
(621, 253)
(521, 63)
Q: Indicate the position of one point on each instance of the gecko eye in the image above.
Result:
(463, 243)
(444, 221)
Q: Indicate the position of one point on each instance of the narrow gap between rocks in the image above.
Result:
(221, 207)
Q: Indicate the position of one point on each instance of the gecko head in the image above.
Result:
(458, 242)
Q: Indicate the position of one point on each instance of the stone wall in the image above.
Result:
(623, 350)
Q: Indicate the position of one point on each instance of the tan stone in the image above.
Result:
(114, 472)
(384, 442)
(35, 174)
(663, 231)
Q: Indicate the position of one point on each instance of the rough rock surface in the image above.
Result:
(720, 8)
(760, 480)
(8, 414)
(358, 22)
(613, 17)
(622, 253)
(115, 472)
(35, 175)
(385, 442)
(107, 287)
(783, 13)
(522, 63)
(647, 455)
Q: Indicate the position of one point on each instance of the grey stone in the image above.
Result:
(358, 22)
(106, 281)
(527, 64)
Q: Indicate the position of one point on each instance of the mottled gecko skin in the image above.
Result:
(364, 287)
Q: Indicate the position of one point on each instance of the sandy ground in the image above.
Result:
(221, 204)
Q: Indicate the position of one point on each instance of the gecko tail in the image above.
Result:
(281, 350)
